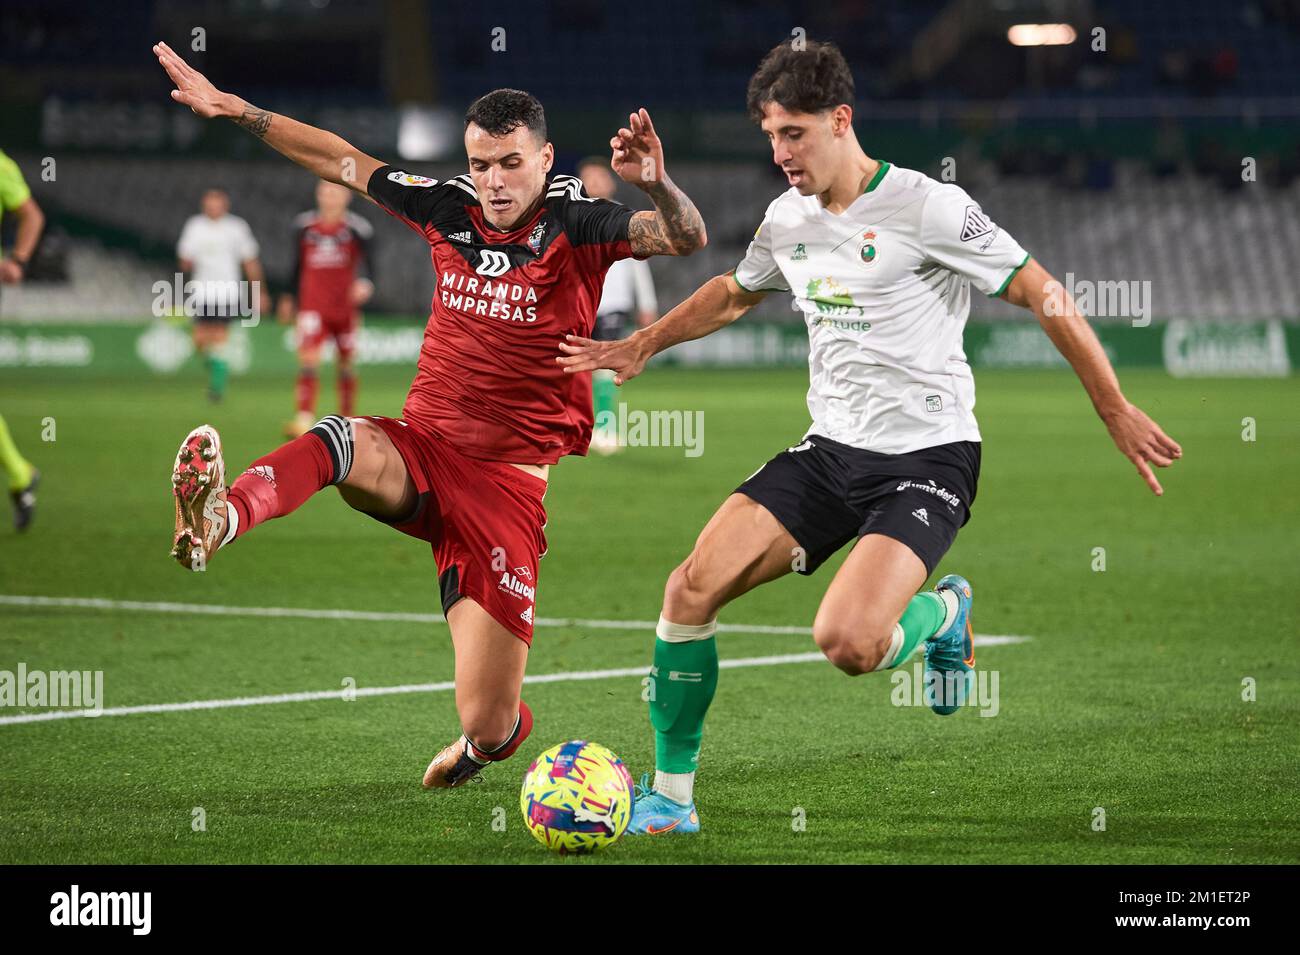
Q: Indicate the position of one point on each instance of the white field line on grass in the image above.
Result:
(315, 695)
(382, 616)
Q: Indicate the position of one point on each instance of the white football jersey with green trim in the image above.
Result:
(884, 289)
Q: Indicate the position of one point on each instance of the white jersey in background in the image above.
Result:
(884, 289)
(629, 288)
(218, 248)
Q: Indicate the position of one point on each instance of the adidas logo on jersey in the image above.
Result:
(527, 616)
(462, 237)
(265, 472)
(921, 515)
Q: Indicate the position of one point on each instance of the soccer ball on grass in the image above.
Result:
(577, 797)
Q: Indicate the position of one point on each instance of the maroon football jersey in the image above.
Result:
(327, 256)
(487, 378)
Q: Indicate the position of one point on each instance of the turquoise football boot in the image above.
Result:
(950, 654)
(654, 814)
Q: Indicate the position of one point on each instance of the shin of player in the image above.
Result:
(871, 619)
(358, 456)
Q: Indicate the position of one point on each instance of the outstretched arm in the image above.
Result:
(1138, 437)
(31, 222)
(320, 152)
(715, 304)
(675, 227)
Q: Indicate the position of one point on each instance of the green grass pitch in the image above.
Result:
(1128, 698)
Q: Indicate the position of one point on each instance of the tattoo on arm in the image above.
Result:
(256, 121)
(646, 234)
(674, 228)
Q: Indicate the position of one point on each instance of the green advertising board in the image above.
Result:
(163, 347)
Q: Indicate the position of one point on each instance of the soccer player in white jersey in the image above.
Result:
(628, 295)
(215, 250)
(881, 262)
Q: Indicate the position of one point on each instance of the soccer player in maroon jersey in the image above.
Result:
(520, 259)
(330, 245)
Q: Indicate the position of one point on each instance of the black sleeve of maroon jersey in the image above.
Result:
(599, 223)
(391, 188)
(365, 261)
(296, 277)
(362, 235)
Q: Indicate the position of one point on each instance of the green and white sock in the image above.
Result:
(218, 369)
(685, 677)
(927, 613)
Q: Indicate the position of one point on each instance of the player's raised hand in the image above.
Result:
(192, 88)
(638, 154)
(624, 357)
(1143, 442)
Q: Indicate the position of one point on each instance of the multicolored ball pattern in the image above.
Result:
(577, 797)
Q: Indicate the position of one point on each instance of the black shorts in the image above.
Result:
(827, 494)
(612, 326)
(215, 314)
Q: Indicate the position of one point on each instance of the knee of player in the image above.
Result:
(489, 725)
(687, 590)
(367, 442)
(846, 646)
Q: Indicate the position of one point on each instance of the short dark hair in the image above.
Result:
(502, 111)
(807, 80)
(586, 161)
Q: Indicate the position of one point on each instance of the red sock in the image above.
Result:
(305, 392)
(507, 749)
(347, 391)
(281, 481)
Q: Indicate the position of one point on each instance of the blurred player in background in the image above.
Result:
(880, 260)
(16, 200)
(216, 249)
(520, 257)
(330, 245)
(629, 294)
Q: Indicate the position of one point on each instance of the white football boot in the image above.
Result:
(199, 487)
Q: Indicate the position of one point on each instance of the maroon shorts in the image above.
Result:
(484, 519)
(315, 327)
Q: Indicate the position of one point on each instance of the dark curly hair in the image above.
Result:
(809, 80)
(502, 111)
